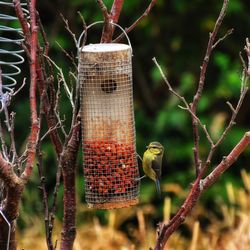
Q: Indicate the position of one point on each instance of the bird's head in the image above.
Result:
(155, 148)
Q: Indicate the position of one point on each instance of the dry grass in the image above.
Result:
(230, 232)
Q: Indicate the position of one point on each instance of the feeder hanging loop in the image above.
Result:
(79, 46)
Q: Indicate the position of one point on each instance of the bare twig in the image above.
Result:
(23, 21)
(187, 107)
(57, 110)
(231, 123)
(139, 20)
(247, 49)
(85, 32)
(20, 88)
(14, 159)
(228, 33)
(71, 58)
(55, 193)
(203, 70)
(3, 144)
(51, 129)
(48, 227)
(104, 10)
(43, 33)
(64, 82)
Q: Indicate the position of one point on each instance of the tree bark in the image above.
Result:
(68, 163)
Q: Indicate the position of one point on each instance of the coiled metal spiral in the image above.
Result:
(11, 57)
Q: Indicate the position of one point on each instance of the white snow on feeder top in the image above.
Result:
(105, 47)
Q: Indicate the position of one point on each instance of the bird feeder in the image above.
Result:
(110, 164)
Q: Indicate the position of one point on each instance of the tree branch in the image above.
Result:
(227, 161)
(68, 163)
(32, 141)
(113, 17)
(203, 71)
(183, 100)
(6, 173)
(139, 20)
(200, 185)
(197, 189)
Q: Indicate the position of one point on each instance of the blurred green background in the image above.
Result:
(176, 33)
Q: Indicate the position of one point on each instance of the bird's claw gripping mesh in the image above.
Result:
(110, 164)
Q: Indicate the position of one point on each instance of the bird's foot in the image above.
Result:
(137, 155)
(138, 179)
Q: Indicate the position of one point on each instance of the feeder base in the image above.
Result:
(112, 205)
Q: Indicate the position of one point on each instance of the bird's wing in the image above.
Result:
(157, 168)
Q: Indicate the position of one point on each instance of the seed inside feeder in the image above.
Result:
(110, 167)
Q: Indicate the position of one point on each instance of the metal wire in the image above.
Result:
(110, 165)
(9, 226)
(11, 57)
(79, 46)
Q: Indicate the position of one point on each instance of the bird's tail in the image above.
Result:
(158, 187)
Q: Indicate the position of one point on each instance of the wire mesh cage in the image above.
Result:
(110, 164)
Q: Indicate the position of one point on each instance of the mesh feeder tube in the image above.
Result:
(107, 113)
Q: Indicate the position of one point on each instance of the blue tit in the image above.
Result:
(152, 163)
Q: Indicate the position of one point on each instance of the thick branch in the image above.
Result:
(113, 17)
(68, 162)
(32, 141)
(14, 188)
(7, 174)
